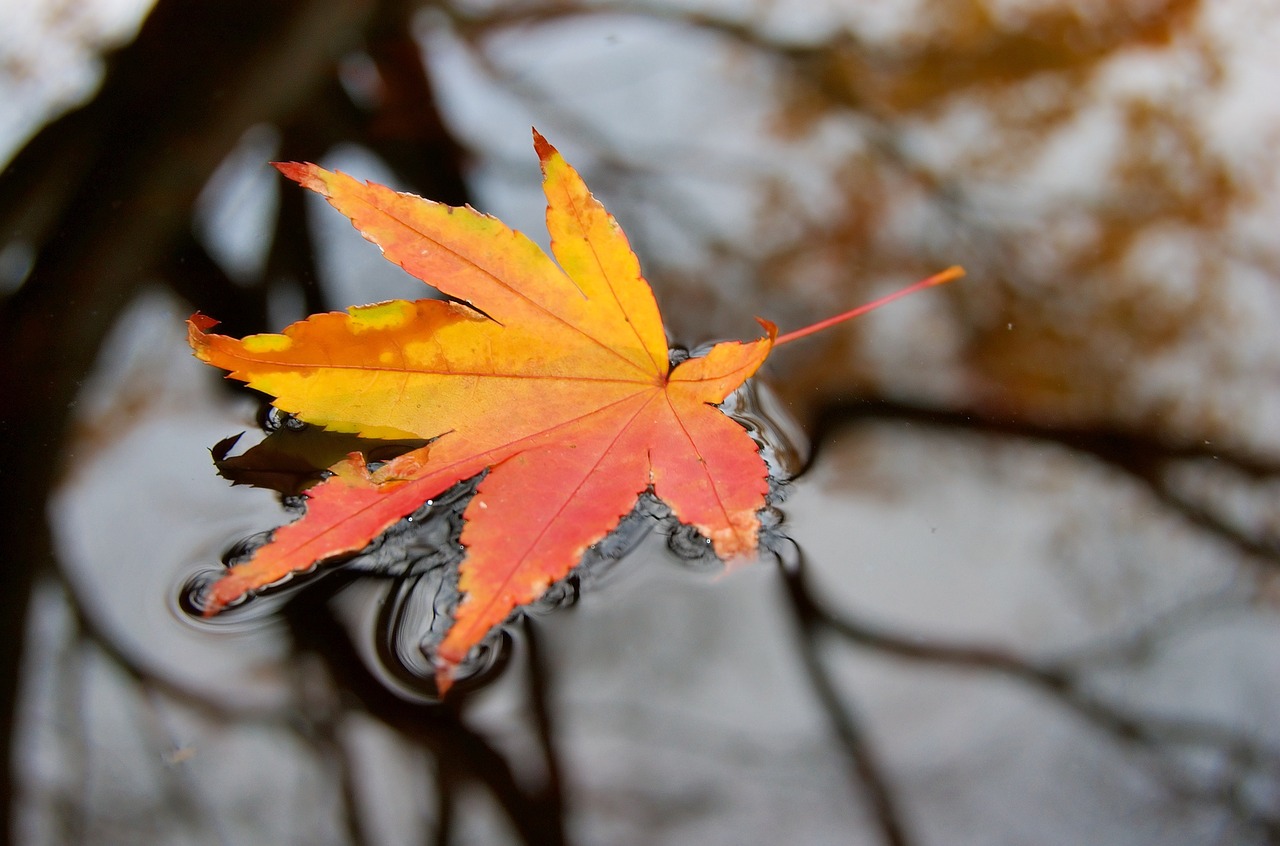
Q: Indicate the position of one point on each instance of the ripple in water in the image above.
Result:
(191, 598)
(413, 567)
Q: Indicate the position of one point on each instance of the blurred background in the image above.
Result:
(1026, 584)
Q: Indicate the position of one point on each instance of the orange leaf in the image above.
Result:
(554, 378)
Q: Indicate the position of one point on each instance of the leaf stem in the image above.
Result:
(948, 275)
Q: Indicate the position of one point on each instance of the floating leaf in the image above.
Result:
(555, 379)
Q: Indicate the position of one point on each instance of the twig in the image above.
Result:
(1064, 686)
(541, 713)
(1146, 458)
(864, 760)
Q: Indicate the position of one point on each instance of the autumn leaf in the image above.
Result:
(554, 379)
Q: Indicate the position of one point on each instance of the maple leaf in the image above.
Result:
(554, 379)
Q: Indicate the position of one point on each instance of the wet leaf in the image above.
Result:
(553, 378)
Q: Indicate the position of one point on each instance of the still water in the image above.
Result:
(650, 686)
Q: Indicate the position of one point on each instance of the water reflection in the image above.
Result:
(412, 569)
(1053, 602)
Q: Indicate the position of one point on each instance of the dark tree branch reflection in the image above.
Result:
(1093, 170)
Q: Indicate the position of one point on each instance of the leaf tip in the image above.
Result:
(198, 326)
(444, 678)
(542, 147)
(737, 543)
(223, 448)
(202, 322)
(226, 591)
(303, 173)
